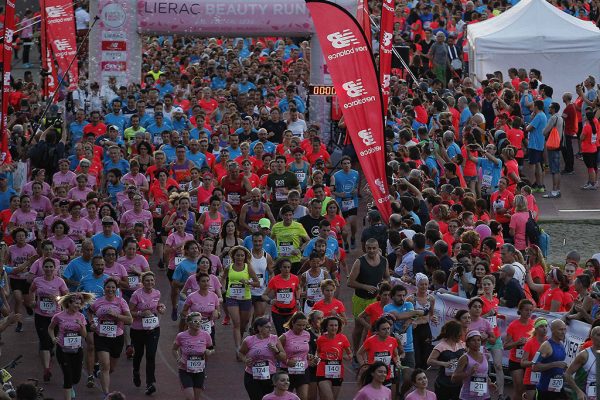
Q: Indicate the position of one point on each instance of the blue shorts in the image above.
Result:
(554, 161)
(535, 156)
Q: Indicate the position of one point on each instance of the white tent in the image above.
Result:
(535, 34)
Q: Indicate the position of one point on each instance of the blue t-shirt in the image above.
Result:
(346, 183)
(269, 147)
(536, 136)
(526, 111)
(490, 172)
(76, 270)
(184, 270)
(91, 284)
(331, 250)
(268, 245)
(76, 130)
(547, 102)
(399, 325)
(169, 152)
(432, 164)
(118, 120)
(122, 165)
(453, 150)
(198, 159)
(5, 197)
(101, 242)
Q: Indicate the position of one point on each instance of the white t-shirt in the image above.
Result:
(82, 19)
(297, 127)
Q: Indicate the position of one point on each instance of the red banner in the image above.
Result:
(354, 77)
(60, 34)
(7, 50)
(51, 80)
(385, 49)
(362, 15)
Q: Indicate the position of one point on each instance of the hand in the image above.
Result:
(161, 308)
(560, 364)
(273, 347)
(147, 313)
(371, 289)
(522, 341)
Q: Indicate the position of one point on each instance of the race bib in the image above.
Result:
(314, 293)
(237, 291)
(285, 249)
(72, 340)
(39, 224)
(150, 322)
(78, 244)
(206, 326)
(203, 209)
(493, 321)
(47, 305)
(195, 364)
(253, 226)
(158, 210)
(297, 368)
(403, 339)
(260, 371)
(486, 181)
(158, 140)
(519, 353)
(383, 357)
(301, 176)
(178, 260)
(133, 280)
(108, 329)
(233, 199)
(280, 196)
(30, 236)
(347, 204)
(535, 377)
(590, 390)
(478, 385)
(194, 200)
(555, 384)
(449, 370)
(285, 296)
(333, 369)
(214, 228)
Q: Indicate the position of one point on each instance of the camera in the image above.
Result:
(460, 269)
(58, 122)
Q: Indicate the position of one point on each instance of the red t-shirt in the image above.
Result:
(313, 157)
(489, 305)
(502, 200)
(4, 220)
(531, 347)
(331, 350)
(378, 350)
(144, 243)
(515, 137)
(328, 309)
(537, 271)
(98, 130)
(285, 294)
(470, 168)
(550, 295)
(517, 330)
(373, 311)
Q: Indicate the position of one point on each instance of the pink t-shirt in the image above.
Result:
(285, 396)
(368, 392)
(203, 304)
(69, 325)
(64, 178)
(25, 220)
(145, 301)
(97, 226)
(109, 326)
(138, 179)
(139, 263)
(296, 348)
(18, 255)
(518, 222)
(116, 270)
(192, 346)
(130, 218)
(91, 182)
(46, 189)
(37, 269)
(429, 395)
(259, 353)
(191, 285)
(127, 204)
(64, 248)
(78, 194)
(41, 205)
(46, 293)
(176, 242)
(78, 230)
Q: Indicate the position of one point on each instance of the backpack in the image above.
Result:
(532, 231)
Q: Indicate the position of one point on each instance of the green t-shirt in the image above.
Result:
(287, 239)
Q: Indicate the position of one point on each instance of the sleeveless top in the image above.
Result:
(301, 174)
(190, 222)
(252, 217)
(234, 191)
(235, 289)
(554, 375)
(480, 377)
(260, 266)
(313, 287)
(370, 275)
(590, 369)
(212, 226)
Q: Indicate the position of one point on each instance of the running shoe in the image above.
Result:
(552, 195)
(567, 172)
(73, 393)
(90, 381)
(353, 243)
(29, 310)
(19, 327)
(587, 186)
(150, 389)
(96, 370)
(225, 320)
(174, 314)
(355, 364)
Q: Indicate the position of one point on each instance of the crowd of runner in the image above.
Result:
(212, 175)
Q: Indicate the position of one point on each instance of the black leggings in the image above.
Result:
(422, 345)
(71, 365)
(145, 339)
(41, 327)
(278, 321)
(257, 389)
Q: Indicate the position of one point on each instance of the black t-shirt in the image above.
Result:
(378, 232)
(286, 180)
(311, 225)
(277, 128)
